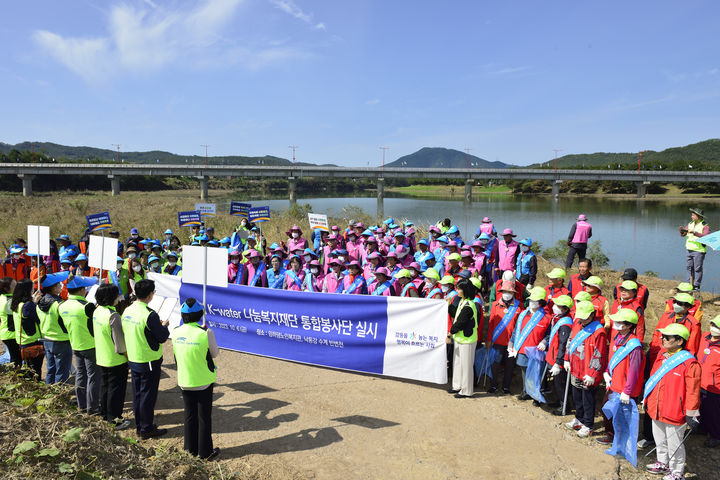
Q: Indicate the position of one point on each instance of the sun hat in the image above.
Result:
(625, 315)
(556, 273)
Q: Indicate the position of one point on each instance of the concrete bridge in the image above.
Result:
(28, 171)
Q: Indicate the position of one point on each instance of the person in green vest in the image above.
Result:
(110, 355)
(144, 333)
(695, 250)
(27, 326)
(195, 348)
(7, 323)
(464, 335)
(58, 352)
(76, 313)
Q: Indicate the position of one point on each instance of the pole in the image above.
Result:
(467, 150)
(485, 365)
(556, 150)
(204, 282)
(678, 447)
(102, 253)
(206, 153)
(383, 150)
(293, 147)
(567, 387)
(38, 259)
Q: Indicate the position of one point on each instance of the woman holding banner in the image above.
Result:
(464, 334)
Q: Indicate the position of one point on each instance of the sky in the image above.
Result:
(511, 80)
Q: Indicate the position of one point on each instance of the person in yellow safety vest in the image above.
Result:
(695, 250)
(195, 348)
(58, 351)
(144, 333)
(27, 326)
(76, 313)
(7, 323)
(464, 334)
(110, 355)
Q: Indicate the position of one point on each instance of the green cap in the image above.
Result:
(448, 280)
(625, 315)
(594, 281)
(676, 329)
(476, 282)
(629, 285)
(537, 293)
(584, 309)
(685, 298)
(431, 273)
(404, 273)
(563, 301)
(685, 287)
(454, 256)
(556, 273)
(716, 321)
(583, 297)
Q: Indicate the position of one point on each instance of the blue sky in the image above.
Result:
(512, 80)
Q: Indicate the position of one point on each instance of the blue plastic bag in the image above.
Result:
(5, 357)
(626, 419)
(480, 362)
(534, 373)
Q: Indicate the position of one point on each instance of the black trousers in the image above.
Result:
(14, 351)
(575, 248)
(584, 400)
(198, 421)
(145, 391)
(509, 362)
(113, 385)
(559, 382)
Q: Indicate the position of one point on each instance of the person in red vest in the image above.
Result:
(709, 358)
(15, 266)
(696, 310)
(556, 341)
(508, 276)
(578, 237)
(626, 364)
(629, 298)
(503, 314)
(585, 360)
(672, 399)
(556, 287)
(643, 293)
(592, 285)
(576, 281)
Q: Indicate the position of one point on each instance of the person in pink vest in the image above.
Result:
(333, 281)
(235, 268)
(371, 246)
(580, 232)
(434, 235)
(467, 262)
(371, 266)
(354, 283)
(415, 276)
(486, 227)
(332, 244)
(507, 252)
(382, 284)
(294, 276)
(296, 239)
(254, 274)
(314, 277)
(352, 245)
(402, 253)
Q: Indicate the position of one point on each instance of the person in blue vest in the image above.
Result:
(195, 349)
(276, 274)
(423, 254)
(172, 267)
(578, 237)
(526, 264)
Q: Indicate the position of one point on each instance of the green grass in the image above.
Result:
(447, 190)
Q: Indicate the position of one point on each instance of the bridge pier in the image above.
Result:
(292, 186)
(380, 197)
(468, 190)
(641, 189)
(203, 188)
(556, 188)
(26, 184)
(114, 185)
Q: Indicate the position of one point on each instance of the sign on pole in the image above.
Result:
(205, 209)
(194, 263)
(38, 240)
(259, 214)
(98, 221)
(239, 209)
(318, 221)
(189, 219)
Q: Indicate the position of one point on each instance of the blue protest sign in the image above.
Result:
(99, 221)
(259, 214)
(189, 219)
(239, 209)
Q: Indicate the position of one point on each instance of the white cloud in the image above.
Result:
(292, 9)
(141, 40)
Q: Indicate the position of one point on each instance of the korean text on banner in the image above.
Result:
(194, 268)
(102, 252)
(189, 219)
(239, 209)
(319, 221)
(99, 221)
(205, 209)
(259, 214)
(400, 337)
(38, 241)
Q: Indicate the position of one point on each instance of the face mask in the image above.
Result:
(445, 288)
(235, 261)
(155, 265)
(16, 257)
(507, 296)
(402, 255)
(678, 308)
(314, 271)
(168, 237)
(172, 264)
(137, 268)
(341, 259)
(714, 331)
(295, 234)
(524, 248)
(119, 266)
(484, 242)
(616, 326)
(452, 236)
(307, 258)
(557, 309)
(132, 255)
(534, 305)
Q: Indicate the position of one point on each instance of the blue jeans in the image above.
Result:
(59, 361)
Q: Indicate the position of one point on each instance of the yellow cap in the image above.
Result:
(537, 293)
(625, 315)
(594, 281)
(403, 273)
(629, 285)
(476, 282)
(563, 301)
(556, 273)
(685, 298)
(454, 256)
(685, 287)
(431, 273)
(676, 329)
(448, 280)
(584, 309)
(716, 321)
(583, 297)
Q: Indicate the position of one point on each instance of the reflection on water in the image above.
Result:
(635, 233)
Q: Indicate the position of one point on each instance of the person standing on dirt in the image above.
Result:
(695, 250)
(7, 324)
(195, 348)
(58, 351)
(580, 233)
(27, 326)
(556, 343)
(464, 336)
(503, 316)
(709, 358)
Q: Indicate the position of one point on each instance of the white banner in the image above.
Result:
(318, 220)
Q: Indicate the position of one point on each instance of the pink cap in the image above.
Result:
(582, 217)
(508, 231)
(383, 270)
(486, 220)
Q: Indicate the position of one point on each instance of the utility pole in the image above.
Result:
(206, 154)
(118, 151)
(383, 149)
(468, 150)
(293, 147)
(33, 153)
(556, 150)
(640, 158)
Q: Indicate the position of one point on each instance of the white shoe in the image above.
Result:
(584, 432)
(574, 425)
(643, 443)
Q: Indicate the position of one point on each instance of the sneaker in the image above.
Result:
(122, 424)
(158, 432)
(657, 468)
(606, 440)
(645, 443)
(584, 432)
(575, 424)
(506, 391)
(213, 455)
(523, 396)
(450, 390)
(674, 476)
(492, 390)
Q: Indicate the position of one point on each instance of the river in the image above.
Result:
(642, 234)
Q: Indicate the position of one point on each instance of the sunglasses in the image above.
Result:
(669, 337)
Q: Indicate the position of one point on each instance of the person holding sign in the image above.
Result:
(195, 348)
(58, 351)
(672, 399)
(464, 336)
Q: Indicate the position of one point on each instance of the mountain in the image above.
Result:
(64, 152)
(705, 152)
(436, 157)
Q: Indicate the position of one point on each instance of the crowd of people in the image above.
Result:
(587, 339)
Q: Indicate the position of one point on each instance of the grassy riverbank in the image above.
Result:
(448, 190)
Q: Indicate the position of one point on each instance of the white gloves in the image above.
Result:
(608, 378)
(624, 398)
(555, 370)
(512, 353)
(529, 287)
(566, 366)
(588, 381)
(541, 346)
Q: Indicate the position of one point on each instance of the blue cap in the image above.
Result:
(80, 282)
(194, 244)
(133, 231)
(443, 238)
(526, 241)
(399, 234)
(54, 278)
(389, 220)
(294, 257)
(65, 258)
(452, 229)
(225, 240)
(275, 255)
(393, 225)
(63, 237)
(342, 251)
(156, 244)
(153, 258)
(204, 238)
(202, 230)
(214, 243)
(367, 232)
(14, 250)
(408, 223)
(197, 307)
(424, 241)
(72, 250)
(484, 236)
(274, 245)
(143, 242)
(82, 256)
(172, 254)
(168, 232)
(308, 251)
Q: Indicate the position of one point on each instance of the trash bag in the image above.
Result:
(484, 358)
(5, 357)
(625, 418)
(535, 373)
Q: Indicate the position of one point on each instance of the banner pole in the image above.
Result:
(102, 253)
(38, 258)
(204, 282)
(567, 387)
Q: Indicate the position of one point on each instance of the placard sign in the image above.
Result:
(189, 219)
(259, 214)
(318, 221)
(239, 209)
(99, 221)
(205, 209)
(102, 253)
(38, 240)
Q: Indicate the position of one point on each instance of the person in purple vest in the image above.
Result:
(580, 232)
(508, 250)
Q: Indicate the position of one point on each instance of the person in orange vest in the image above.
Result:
(592, 286)
(643, 293)
(576, 281)
(556, 343)
(15, 266)
(696, 310)
(556, 287)
(629, 299)
(672, 399)
(709, 358)
(521, 292)
(626, 364)
(585, 360)
(503, 314)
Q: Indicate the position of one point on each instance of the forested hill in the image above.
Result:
(435, 157)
